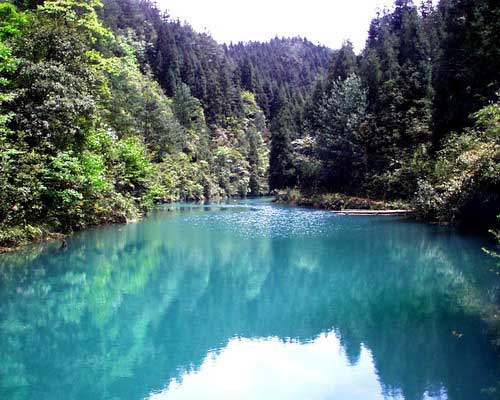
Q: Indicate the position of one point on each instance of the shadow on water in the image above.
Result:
(126, 310)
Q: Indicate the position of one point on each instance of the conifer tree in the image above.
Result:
(281, 169)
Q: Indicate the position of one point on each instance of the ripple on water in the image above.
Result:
(261, 220)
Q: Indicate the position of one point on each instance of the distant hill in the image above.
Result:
(282, 71)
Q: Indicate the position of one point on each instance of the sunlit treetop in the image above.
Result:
(11, 21)
(83, 13)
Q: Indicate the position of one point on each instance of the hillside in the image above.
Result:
(110, 108)
(276, 71)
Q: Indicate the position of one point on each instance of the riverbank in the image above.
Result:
(13, 238)
(343, 203)
(25, 240)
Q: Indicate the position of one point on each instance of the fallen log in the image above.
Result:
(376, 212)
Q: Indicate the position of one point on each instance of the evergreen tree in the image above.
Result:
(467, 75)
(340, 142)
(344, 63)
(281, 169)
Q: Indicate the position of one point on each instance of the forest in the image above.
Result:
(109, 108)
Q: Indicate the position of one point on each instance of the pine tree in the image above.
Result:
(281, 169)
(467, 75)
(339, 142)
(344, 63)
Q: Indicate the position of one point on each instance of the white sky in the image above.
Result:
(326, 22)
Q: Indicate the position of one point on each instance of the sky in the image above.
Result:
(327, 22)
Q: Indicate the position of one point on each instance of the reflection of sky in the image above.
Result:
(272, 369)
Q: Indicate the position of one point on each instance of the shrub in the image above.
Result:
(464, 184)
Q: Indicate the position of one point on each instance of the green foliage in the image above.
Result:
(307, 164)
(56, 166)
(136, 106)
(397, 71)
(14, 235)
(185, 179)
(188, 109)
(89, 136)
(20, 182)
(283, 70)
(231, 168)
(240, 156)
(414, 65)
(465, 181)
(11, 23)
(105, 111)
(81, 14)
(134, 170)
(281, 168)
(335, 201)
(383, 155)
(72, 185)
(340, 141)
(343, 64)
(467, 74)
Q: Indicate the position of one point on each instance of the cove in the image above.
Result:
(250, 300)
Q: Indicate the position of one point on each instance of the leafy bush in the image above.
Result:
(335, 201)
(184, 179)
(464, 184)
(15, 235)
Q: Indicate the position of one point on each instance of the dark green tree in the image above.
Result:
(467, 72)
(281, 169)
(344, 63)
(340, 142)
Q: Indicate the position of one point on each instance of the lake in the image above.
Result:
(250, 300)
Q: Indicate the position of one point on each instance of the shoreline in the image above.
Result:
(344, 204)
(363, 212)
(49, 237)
(45, 235)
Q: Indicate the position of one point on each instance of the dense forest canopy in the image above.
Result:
(108, 108)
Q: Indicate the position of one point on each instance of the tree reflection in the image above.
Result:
(127, 308)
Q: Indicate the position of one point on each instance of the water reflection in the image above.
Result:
(249, 369)
(383, 306)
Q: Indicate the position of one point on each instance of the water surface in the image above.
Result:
(250, 300)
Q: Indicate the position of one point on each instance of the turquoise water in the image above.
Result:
(250, 300)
